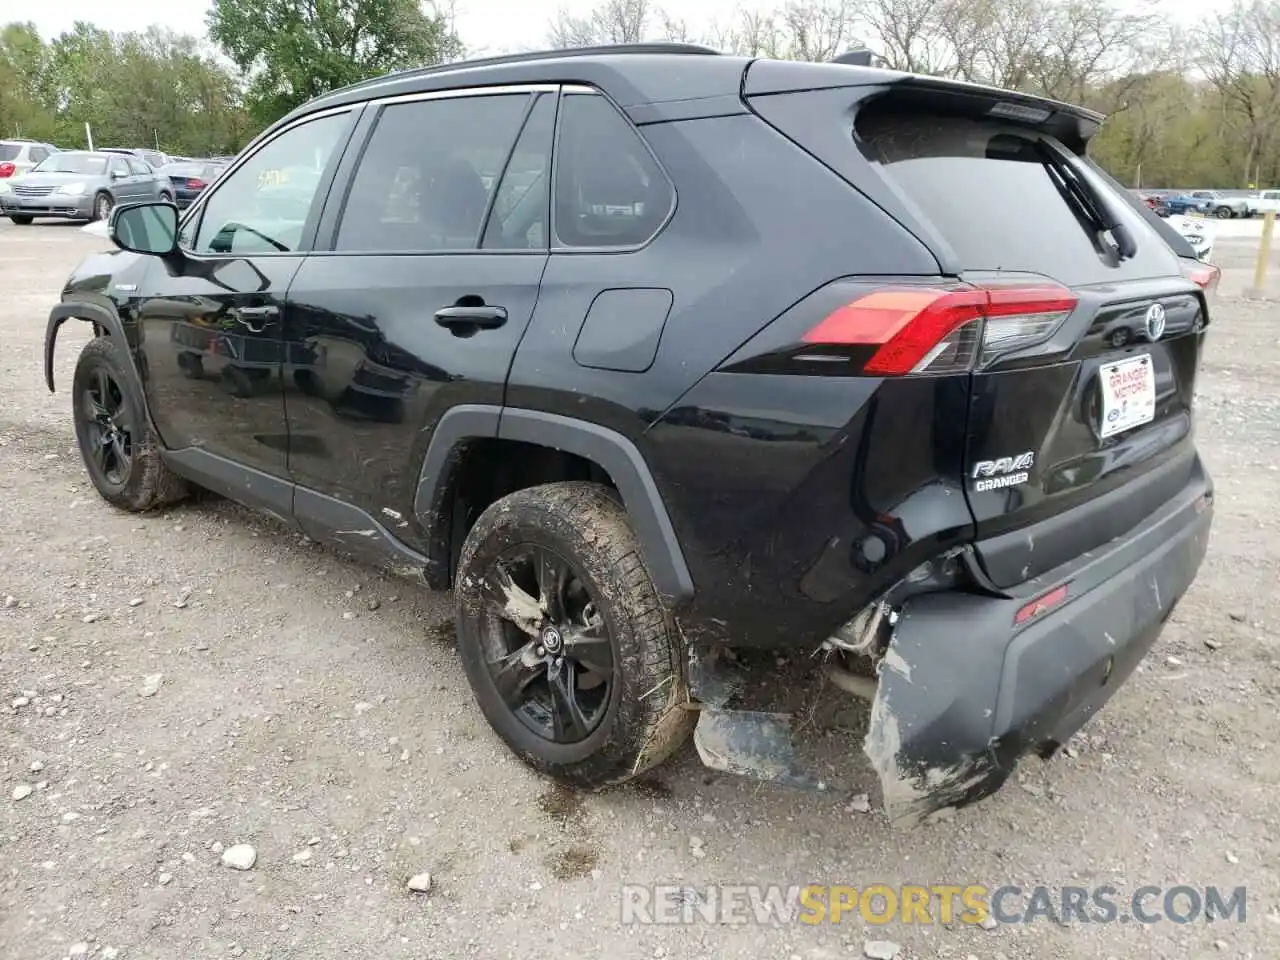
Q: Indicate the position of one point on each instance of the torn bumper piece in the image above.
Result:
(963, 692)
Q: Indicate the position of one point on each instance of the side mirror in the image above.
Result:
(118, 174)
(150, 228)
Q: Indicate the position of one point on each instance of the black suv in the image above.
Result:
(656, 355)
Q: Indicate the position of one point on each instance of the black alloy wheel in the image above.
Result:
(548, 649)
(108, 427)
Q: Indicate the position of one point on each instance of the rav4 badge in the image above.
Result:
(1003, 472)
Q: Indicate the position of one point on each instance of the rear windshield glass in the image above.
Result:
(72, 163)
(985, 188)
(9, 150)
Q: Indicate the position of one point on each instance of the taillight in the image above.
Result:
(8, 169)
(195, 184)
(1203, 275)
(943, 329)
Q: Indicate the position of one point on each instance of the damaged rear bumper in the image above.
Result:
(963, 691)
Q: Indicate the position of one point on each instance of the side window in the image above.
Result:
(137, 167)
(518, 220)
(119, 168)
(426, 174)
(38, 154)
(610, 191)
(262, 206)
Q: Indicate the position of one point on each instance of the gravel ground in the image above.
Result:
(176, 685)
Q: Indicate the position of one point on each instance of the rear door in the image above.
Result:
(431, 250)
(1080, 410)
(143, 182)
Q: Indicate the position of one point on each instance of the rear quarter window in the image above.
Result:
(980, 184)
(10, 151)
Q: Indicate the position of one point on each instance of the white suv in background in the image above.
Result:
(1268, 201)
(19, 156)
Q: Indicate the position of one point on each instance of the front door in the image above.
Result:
(430, 279)
(210, 322)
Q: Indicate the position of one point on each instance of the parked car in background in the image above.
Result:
(80, 185)
(190, 178)
(1183, 203)
(1268, 201)
(153, 158)
(1222, 206)
(19, 156)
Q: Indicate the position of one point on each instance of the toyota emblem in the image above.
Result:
(1155, 322)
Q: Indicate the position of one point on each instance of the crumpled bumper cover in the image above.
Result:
(963, 692)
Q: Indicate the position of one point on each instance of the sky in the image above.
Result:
(486, 26)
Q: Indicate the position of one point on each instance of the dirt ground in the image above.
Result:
(303, 705)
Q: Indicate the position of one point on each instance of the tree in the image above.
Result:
(614, 21)
(1240, 53)
(292, 50)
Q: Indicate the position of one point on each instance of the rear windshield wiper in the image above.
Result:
(1094, 207)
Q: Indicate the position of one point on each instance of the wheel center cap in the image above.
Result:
(552, 640)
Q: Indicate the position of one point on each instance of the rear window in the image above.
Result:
(10, 151)
(986, 190)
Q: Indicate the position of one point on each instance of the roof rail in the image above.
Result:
(532, 55)
(857, 58)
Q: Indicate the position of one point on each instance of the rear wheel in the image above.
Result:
(568, 647)
(120, 452)
(21, 219)
(1224, 213)
(166, 197)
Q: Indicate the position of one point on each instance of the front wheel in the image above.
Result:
(120, 452)
(102, 205)
(1224, 213)
(568, 647)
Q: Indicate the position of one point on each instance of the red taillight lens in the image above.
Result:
(1203, 275)
(195, 184)
(940, 330)
(8, 169)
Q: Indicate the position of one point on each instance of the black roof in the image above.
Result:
(629, 73)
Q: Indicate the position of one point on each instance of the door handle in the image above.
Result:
(459, 318)
(255, 318)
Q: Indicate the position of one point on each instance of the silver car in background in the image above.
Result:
(80, 185)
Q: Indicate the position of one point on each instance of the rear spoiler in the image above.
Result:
(1073, 125)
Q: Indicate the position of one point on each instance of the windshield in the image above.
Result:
(9, 150)
(72, 163)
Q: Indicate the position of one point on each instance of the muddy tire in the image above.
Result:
(119, 449)
(568, 647)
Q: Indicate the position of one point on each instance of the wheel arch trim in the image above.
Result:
(90, 313)
(607, 448)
